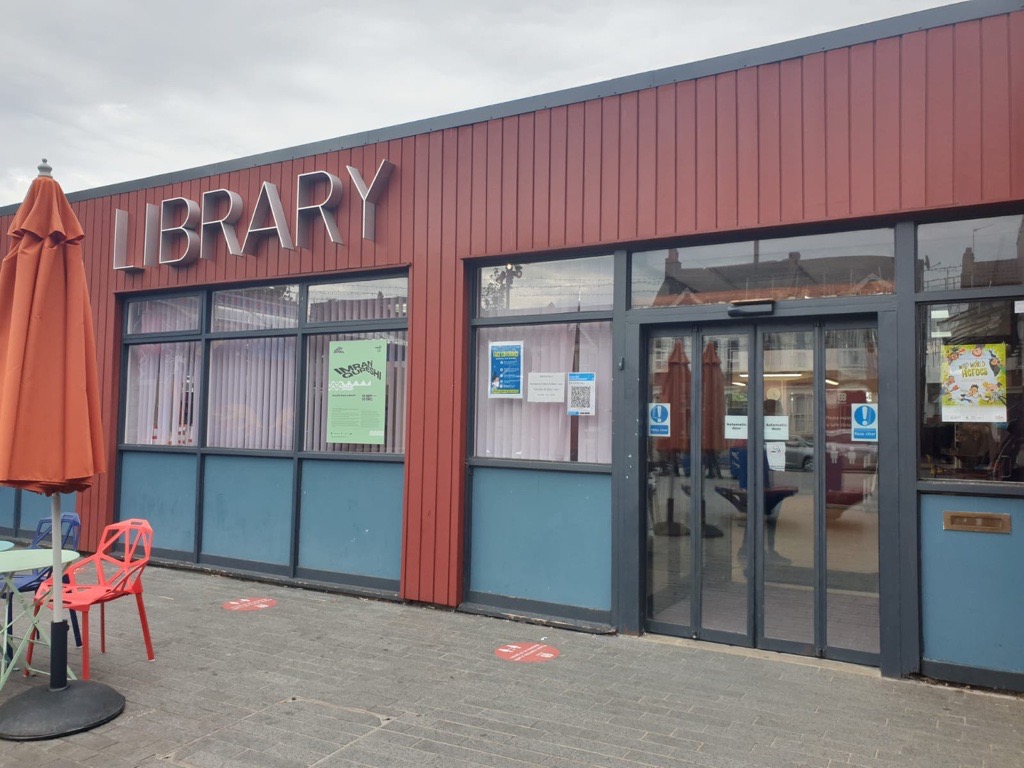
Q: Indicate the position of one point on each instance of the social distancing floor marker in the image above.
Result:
(250, 604)
(528, 653)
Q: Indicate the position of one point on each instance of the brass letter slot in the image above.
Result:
(977, 522)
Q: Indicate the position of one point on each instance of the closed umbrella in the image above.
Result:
(674, 390)
(712, 406)
(51, 435)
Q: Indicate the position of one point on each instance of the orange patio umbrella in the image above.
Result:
(51, 435)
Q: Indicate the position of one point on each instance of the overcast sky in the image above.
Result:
(117, 90)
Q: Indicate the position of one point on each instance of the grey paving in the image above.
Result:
(332, 681)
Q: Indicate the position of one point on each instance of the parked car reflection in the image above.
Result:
(799, 453)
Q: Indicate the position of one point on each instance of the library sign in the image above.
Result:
(179, 231)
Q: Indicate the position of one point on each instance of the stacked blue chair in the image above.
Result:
(70, 528)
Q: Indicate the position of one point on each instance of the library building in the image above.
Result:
(729, 351)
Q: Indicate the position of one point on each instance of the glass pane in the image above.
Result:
(571, 285)
(669, 553)
(160, 393)
(253, 309)
(789, 568)
(317, 393)
(725, 364)
(165, 315)
(252, 394)
(971, 391)
(527, 417)
(970, 254)
(851, 484)
(359, 300)
(839, 264)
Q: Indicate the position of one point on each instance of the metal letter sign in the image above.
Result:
(864, 422)
(659, 419)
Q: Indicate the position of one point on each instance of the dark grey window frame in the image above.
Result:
(302, 331)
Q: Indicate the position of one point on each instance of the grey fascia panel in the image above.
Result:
(842, 38)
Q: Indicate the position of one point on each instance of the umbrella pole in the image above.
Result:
(59, 627)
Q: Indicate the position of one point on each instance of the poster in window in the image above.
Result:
(974, 382)
(582, 391)
(357, 390)
(506, 369)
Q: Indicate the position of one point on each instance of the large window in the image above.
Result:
(971, 391)
(839, 264)
(977, 253)
(543, 384)
(243, 366)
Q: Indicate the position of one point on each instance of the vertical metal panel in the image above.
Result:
(913, 119)
(769, 145)
(686, 157)
(593, 158)
(707, 150)
(541, 177)
(666, 142)
(575, 138)
(791, 138)
(629, 148)
(995, 108)
(510, 172)
(646, 163)
(967, 111)
(492, 238)
(813, 192)
(862, 129)
(610, 150)
(1016, 104)
(837, 133)
(725, 141)
(747, 148)
(523, 221)
(886, 130)
(557, 178)
(939, 117)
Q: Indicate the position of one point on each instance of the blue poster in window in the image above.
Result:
(506, 379)
(582, 389)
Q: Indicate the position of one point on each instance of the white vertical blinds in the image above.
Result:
(251, 401)
(317, 374)
(519, 429)
(162, 391)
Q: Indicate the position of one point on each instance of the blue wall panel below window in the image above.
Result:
(542, 536)
(7, 502)
(161, 488)
(972, 598)
(351, 518)
(35, 506)
(247, 508)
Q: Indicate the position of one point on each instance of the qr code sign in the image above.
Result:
(579, 398)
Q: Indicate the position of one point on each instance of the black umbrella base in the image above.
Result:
(41, 713)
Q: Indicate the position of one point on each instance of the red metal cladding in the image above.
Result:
(930, 119)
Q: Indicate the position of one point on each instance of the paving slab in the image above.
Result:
(325, 680)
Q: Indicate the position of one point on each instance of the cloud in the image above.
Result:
(121, 90)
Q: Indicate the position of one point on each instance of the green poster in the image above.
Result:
(356, 390)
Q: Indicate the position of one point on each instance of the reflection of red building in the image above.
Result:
(791, 278)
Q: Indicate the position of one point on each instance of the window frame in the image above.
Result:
(301, 332)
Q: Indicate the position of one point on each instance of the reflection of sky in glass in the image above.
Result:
(568, 285)
(941, 248)
(390, 287)
(648, 268)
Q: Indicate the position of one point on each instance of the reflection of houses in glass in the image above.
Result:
(794, 277)
(979, 263)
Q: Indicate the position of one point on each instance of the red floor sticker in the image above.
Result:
(250, 604)
(528, 653)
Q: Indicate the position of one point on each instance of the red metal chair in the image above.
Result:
(114, 571)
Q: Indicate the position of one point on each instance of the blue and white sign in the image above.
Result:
(659, 419)
(864, 422)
